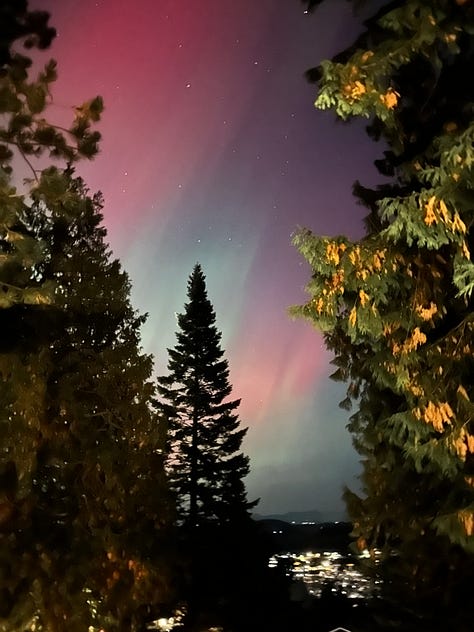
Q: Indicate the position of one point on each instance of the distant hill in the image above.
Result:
(300, 537)
(311, 515)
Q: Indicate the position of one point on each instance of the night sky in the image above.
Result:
(213, 151)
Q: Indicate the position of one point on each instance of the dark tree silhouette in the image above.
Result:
(204, 463)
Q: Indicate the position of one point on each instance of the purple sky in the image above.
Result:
(213, 152)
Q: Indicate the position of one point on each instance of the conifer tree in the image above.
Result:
(396, 306)
(80, 531)
(205, 467)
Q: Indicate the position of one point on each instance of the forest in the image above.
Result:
(123, 504)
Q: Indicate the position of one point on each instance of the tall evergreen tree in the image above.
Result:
(396, 306)
(80, 531)
(204, 465)
(225, 568)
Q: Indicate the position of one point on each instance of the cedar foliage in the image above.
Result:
(396, 306)
(80, 532)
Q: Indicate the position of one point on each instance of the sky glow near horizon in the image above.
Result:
(212, 151)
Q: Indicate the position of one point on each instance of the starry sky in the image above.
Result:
(213, 151)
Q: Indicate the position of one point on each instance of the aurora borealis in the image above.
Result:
(212, 151)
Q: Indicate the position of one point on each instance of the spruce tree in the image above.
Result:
(396, 306)
(80, 532)
(204, 463)
(225, 578)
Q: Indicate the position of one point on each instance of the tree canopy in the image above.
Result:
(83, 500)
(396, 306)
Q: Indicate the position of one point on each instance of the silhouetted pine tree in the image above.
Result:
(204, 463)
(227, 582)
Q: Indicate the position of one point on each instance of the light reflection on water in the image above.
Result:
(316, 570)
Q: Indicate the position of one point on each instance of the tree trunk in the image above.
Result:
(194, 473)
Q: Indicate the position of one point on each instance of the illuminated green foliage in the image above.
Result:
(26, 133)
(396, 306)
